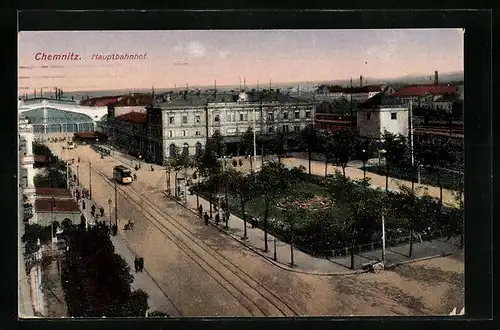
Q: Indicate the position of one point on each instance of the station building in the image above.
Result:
(58, 118)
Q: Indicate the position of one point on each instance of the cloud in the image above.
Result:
(196, 49)
(223, 54)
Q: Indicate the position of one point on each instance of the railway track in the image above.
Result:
(252, 295)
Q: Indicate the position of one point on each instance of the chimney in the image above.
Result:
(360, 81)
(351, 82)
(34, 93)
(436, 78)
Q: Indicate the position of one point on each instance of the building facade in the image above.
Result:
(52, 118)
(26, 171)
(183, 127)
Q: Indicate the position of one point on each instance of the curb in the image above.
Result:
(267, 258)
(441, 255)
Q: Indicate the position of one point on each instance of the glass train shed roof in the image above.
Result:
(54, 116)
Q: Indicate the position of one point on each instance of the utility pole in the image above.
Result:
(77, 175)
(383, 238)
(116, 205)
(254, 141)
(410, 122)
(90, 180)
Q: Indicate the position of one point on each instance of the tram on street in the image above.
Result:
(122, 174)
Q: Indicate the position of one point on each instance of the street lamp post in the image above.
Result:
(90, 180)
(109, 215)
(364, 163)
(116, 205)
(78, 175)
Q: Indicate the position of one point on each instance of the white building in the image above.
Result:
(380, 114)
(26, 170)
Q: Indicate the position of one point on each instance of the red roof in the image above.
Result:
(52, 192)
(40, 159)
(133, 117)
(425, 89)
(61, 205)
(100, 101)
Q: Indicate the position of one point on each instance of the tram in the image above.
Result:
(122, 174)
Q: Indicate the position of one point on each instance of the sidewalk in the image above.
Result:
(157, 301)
(306, 263)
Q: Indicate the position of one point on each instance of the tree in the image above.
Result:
(247, 144)
(328, 148)
(409, 209)
(278, 145)
(345, 146)
(309, 139)
(241, 185)
(273, 181)
(362, 206)
(395, 150)
(366, 149)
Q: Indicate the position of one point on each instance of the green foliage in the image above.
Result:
(96, 280)
(40, 149)
(33, 232)
(247, 141)
(345, 146)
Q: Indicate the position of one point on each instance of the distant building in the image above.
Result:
(334, 122)
(424, 94)
(355, 94)
(381, 113)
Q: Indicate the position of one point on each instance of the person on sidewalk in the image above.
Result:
(92, 210)
(205, 216)
(240, 162)
(136, 167)
(83, 204)
(136, 264)
(135, 177)
(217, 218)
(152, 168)
(141, 264)
(101, 209)
(200, 210)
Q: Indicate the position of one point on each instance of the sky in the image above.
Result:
(197, 58)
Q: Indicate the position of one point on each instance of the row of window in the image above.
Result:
(243, 116)
(172, 134)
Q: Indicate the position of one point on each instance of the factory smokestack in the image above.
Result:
(436, 78)
(360, 81)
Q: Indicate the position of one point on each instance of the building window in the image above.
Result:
(197, 133)
(308, 114)
(297, 114)
(271, 129)
(368, 115)
(296, 128)
(170, 134)
(243, 116)
(285, 128)
(183, 133)
(184, 119)
(197, 119)
(216, 118)
(270, 116)
(171, 120)
(285, 115)
(394, 115)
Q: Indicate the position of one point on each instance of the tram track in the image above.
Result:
(253, 296)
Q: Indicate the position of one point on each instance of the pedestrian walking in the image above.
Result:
(101, 209)
(217, 218)
(200, 210)
(141, 264)
(240, 162)
(152, 168)
(139, 165)
(83, 205)
(136, 167)
(135, 177)
(205, 216)
(136, 264)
